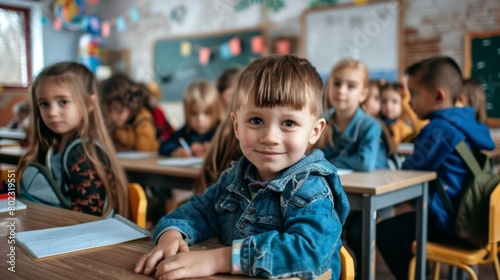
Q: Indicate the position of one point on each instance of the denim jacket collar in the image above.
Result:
(351, 132)
(309, 163)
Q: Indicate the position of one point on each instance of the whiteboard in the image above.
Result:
(370, 33)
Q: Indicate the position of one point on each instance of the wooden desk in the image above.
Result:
(14, 134)
(146, 171)
(11, 155)
(111, 262)
(372, 191)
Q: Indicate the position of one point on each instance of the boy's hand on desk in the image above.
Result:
(195, 264)
(180, 152)
(169, 244)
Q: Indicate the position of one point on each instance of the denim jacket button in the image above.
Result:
(243, 225)
(251, 212)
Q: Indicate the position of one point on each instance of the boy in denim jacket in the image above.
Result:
(434, 84)
(278, 210)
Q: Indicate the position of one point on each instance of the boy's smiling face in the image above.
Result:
(273, 139)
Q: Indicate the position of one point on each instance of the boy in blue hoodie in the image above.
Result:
(434, 84)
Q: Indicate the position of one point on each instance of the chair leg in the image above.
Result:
(437, 270)
(497, 268)
(411, 269)
(470, 271)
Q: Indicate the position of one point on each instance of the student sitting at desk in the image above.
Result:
(202, 115)
(72, 142)
(352, 139)
(434, 84)
(279, 211)
(473, 95)
(126, 104)
(392, 97)
(21, 110)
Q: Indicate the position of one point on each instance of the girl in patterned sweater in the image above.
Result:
(71, 141)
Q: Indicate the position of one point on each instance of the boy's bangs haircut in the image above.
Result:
(440, 71)
(280, 80)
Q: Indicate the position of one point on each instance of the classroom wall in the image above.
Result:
(438, 27)
(431, 27)
(49, 46)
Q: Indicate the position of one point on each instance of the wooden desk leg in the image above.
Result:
(369, 215)
(421, 231)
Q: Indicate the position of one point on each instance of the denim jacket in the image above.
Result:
(291, 228)
(360, 146)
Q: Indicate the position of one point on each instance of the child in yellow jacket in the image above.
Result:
(132, 124)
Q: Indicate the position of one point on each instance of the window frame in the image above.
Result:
(27, 34)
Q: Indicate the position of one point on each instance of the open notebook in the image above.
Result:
(182, 162)
(6, 205)
(55, 241)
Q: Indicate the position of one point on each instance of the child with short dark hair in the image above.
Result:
(279, 210)
(434, 83)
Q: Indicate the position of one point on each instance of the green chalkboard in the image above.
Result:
(174, 72)
(482, 63)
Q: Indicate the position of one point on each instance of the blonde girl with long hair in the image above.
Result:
(202, 115)
(70, 139)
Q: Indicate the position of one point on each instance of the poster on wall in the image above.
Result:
(367, 32)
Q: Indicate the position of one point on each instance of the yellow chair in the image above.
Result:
(138, 204)
(465, 258)
(346, 265)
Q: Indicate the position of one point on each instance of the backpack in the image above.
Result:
(471, 217)
(38, 185)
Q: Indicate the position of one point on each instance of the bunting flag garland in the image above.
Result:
(204, 56)
(257, 44)
(235, 46)
(225, 50)
(120, 24)
(185, 48)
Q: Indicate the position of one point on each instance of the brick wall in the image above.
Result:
(435, 27)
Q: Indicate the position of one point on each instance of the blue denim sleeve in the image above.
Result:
(365, 157)
(196, 219)
(307, 246)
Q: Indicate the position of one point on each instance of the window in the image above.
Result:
(15, 66)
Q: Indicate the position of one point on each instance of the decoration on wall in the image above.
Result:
(178, 13)
(225, 50)
(273, 5)
(257, 44)
(70, 13)
(90, 43)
